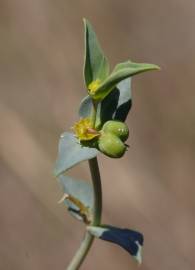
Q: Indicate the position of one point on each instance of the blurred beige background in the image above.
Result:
(152, 187)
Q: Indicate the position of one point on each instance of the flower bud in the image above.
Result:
(111, 145)
(117, 128)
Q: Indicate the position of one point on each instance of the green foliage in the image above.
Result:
(120, 72)
(96, 66)
(101, 129)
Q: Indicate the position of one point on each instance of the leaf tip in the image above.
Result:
(84, 21)
(156, 67)
(151, 67)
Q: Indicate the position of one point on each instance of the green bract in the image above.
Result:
(117, 128)
(111, 145)
(96, 69)
(96, 65)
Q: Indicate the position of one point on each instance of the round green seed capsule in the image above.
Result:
(111, 145)
(117, 128)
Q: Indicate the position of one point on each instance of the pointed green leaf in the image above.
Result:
(96, 66)
(82, 191)
(131, 241)
(70, 153)
(120, 72)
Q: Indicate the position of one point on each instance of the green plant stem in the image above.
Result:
(81, 252)
(97, 208)
(93, 113)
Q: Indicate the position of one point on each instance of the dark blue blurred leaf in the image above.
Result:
(70, 153)
(131, 241)
(83, 193)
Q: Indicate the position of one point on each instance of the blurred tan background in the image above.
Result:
(152, 187)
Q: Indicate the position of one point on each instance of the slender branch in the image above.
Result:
(81, 252)
(97, 207)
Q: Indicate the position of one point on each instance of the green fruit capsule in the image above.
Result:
(117, 128)
(111, 145)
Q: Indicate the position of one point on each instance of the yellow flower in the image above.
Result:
(84, 131)
(93, 86)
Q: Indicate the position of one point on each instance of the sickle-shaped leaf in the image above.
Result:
(120, 72)
(96, 66)
(131, 241)
(71, 152)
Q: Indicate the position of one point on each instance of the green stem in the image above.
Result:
(97, 208)
(94, 113)
(81, 252)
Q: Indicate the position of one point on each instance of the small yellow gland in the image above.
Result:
(93, 86)
(84, 131)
